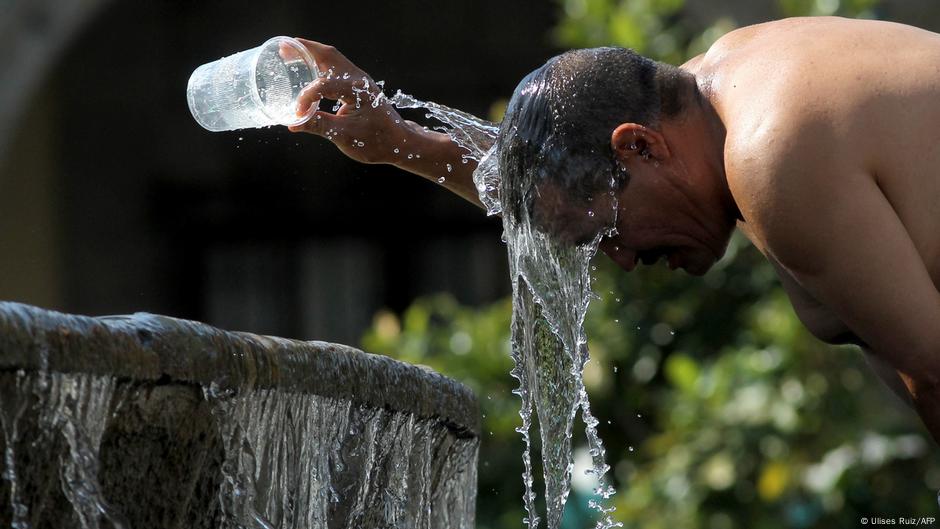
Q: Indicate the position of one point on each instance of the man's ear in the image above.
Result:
(631, 142)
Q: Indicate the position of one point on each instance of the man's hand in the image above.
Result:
(367, 128)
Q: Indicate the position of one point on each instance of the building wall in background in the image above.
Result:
(30, 212)
(112, 199)
(130, 206)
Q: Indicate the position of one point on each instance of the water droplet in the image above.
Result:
(396, 150)
(441, 180)
(450, 168)
(410, 156)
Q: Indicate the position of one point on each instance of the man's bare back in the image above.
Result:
(833, 156)
(866, 91)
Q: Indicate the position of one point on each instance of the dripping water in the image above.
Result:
(551, 293)
(73, 408)
(475, 135)
(289, 460)
(305, 461)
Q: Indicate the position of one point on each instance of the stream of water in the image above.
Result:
(275, 477)
(271, 459)
(551, 288)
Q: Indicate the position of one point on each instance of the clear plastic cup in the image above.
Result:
(254, 88)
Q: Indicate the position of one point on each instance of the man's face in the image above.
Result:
(655, 221)
(652, 223)
(573, 221)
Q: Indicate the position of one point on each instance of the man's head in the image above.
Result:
(589, 122)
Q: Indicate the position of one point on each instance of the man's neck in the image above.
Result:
(709, 129)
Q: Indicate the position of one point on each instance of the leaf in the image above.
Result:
(682, 371)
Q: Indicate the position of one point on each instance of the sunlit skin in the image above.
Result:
(818, 138)
(677, 204)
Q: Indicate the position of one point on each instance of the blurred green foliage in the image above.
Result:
(717, 408)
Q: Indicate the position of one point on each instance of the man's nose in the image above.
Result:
(625, 258)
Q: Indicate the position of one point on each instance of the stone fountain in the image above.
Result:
(146, 421)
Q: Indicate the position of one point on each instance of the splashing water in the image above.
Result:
(73, 411)
(288, 460)
(273, 479)
(475, 135)
(12, 407)
(551, 293)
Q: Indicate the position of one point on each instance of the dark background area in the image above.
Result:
(113, 200)
(139, 209)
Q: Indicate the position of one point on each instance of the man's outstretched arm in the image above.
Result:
(378, 134)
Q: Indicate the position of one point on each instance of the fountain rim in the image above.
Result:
(162, 349)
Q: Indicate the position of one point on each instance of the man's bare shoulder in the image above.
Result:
(769, 69)
(781, 173)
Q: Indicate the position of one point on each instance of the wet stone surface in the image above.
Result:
(147, 421)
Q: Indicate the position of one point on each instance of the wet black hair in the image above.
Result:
(558, 124)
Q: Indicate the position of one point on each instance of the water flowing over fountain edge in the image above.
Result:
(480, 139)
(151, 347)
(149, 421)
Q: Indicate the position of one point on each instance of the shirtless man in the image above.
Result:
(818, 138)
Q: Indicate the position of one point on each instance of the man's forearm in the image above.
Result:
(434, 156)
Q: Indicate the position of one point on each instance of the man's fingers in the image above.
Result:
(308, 96)
(321, 124)
(336, 88)
(287, 52)
(327, 57)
